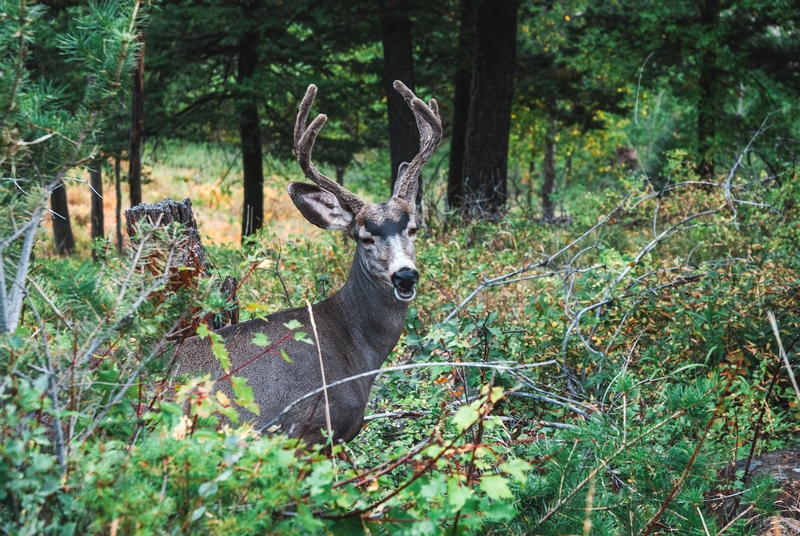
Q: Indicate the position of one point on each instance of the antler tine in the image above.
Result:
(304, 139)
(430, 132)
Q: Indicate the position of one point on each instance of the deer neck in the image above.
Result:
(370, 314)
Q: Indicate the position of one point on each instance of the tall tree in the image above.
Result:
(709, 90)
(557, 88)
(62, 228)
(398, 57)
(461, 83)
(549, 168)
(118, 208)
(486, 159)
(236, 71)
(727, 64)
(96, 182)
(250, 131)
(137, 129)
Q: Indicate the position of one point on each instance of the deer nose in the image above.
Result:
(404, 280)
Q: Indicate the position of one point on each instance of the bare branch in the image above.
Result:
(499, 366)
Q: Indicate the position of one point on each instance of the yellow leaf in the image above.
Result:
(223, 399)
(179, 432)
(735, 357)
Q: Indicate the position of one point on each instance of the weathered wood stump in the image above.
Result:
(188, 264)
(784, 467)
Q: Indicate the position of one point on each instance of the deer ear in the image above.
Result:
(320, 207)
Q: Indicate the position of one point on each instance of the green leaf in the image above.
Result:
(244, 394)
(171, 407)
(261, 340)
(496, 487)
(465, 417)
(41, 463)
(433, 489)
(302, 337)
(457, 494)
(307, 519)
(220, 352)
(197, 513)
(224, 475)
(517, 468)
(285, 356)
(320, 478)
(293, 324)
(203, 331)
(207, 488)
(499, 511)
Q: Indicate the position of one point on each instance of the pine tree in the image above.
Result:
(486, 158)
(44, 140)
(728, 65)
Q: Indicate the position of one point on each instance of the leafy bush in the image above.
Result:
(587, 378)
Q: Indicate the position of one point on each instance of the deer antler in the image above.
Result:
(430, 134)
(304, 139)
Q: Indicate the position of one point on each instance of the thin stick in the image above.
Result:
(681, 479)
(703, 520)
(735, 519)
(322, 371)
(774, 324)
(493, 366)
(603, 463)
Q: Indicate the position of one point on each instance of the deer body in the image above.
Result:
(358, 326)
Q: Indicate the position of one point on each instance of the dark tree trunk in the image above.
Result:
(398, 60)
(250, 134)
(340, 175)
(62, 229)
(486, 159)
(548, 184)
(137, 130)
(96, 182)
(707, 107)
(118, 188)
(463, 78)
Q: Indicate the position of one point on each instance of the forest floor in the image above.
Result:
(198, 173)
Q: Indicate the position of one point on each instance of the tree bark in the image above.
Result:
(463, 78)
(188, 264)
(398, 57)
(548, 184)
(62, 229)
(709, 76)
(486, 159)
(96, 182)
(250, 134)
(137, 130)
(118, 188)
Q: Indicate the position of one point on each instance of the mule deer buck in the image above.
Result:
(359, 325)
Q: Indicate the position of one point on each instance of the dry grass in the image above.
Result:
(216, 198)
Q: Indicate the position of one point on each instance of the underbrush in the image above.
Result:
(589, 378)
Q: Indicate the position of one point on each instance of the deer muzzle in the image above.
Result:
(404, 281)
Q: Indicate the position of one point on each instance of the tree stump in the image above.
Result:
(188, 264)
(784, 467)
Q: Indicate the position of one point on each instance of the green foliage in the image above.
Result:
(42, 139)
(598, 377)
(498, 425)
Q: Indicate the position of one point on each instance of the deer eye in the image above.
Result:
(412, 231)
(367, 240)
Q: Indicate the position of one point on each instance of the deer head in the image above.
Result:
(385, 231)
